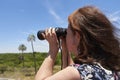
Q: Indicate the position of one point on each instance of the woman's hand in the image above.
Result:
(51, 37)
(46, 69)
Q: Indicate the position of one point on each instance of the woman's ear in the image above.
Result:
(77, 38)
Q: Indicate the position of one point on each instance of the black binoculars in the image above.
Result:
(59, 32)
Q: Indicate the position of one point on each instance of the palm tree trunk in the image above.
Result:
(34, 57)
(32, 46)
(23, 59)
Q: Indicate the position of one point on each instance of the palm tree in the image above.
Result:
(22, 48)
(31, 38)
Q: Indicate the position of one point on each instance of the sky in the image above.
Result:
(20, 18)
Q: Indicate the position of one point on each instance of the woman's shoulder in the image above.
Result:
(94, 71)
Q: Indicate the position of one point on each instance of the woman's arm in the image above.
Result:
(46, 68)
(66, 56)
(68, 73)
(66, 59)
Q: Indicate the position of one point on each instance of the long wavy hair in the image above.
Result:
(98, 42)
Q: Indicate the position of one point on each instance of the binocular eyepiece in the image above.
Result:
(59, 32)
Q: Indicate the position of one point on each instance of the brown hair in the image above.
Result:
(97, 40)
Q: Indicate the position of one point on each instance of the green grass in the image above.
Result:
(11, 66)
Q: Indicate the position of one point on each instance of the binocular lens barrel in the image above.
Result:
(59, 32)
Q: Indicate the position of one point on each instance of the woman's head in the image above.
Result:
(96, 39)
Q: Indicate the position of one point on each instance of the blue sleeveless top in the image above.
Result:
(95, 72)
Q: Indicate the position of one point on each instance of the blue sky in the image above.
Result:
(19, 18)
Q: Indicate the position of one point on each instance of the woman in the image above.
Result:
(90, 37)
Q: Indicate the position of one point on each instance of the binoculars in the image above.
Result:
(59, 32)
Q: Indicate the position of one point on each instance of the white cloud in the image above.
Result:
(57, 18)
(115, 17)
(52, 11)
(54, 14)
(115, 13)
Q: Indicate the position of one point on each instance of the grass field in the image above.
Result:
(12, 67)
(23, 74)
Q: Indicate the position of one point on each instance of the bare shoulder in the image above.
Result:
(69, 73)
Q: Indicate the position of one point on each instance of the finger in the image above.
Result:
(53, 30)
(54, 33)
(49, 30)
(46, 32)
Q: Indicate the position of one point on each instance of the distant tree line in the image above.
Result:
(9, 61)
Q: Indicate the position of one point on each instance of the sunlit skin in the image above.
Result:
(72, 41)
